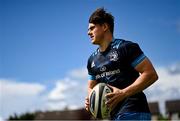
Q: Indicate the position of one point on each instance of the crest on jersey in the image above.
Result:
(113, 56)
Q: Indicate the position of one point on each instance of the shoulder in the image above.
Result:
(122, 43)
(116, 43)
(93, 55)
(131, 46)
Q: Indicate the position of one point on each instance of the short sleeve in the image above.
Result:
(91, 76)
(134, 54)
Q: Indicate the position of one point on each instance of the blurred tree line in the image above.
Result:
(25, 116)
(31, 116)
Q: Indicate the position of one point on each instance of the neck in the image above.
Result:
(105, 43)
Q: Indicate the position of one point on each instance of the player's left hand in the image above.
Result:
(114, 97)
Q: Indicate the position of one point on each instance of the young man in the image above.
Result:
(123, 66)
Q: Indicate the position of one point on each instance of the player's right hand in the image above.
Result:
(87, 103)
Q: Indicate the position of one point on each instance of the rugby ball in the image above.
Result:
(97, 100)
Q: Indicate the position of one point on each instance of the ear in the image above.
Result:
(105, 26)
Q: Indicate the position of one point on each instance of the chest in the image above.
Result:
(109, 61)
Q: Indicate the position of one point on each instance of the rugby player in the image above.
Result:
(123, 66)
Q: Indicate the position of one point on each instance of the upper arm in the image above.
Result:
(138, 60)
(146, 67)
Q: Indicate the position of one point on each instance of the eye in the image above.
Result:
(91, 28)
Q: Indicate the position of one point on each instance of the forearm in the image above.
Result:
(141, 83)
(91, 84)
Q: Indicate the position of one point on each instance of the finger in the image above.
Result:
(109, 95)
(86, 103)
(87, 108)
(111, 87)
(86, 98)
(113, 105)
(110, 101)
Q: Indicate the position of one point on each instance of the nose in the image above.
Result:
(89, 33)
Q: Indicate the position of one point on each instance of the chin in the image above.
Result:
(95, 42)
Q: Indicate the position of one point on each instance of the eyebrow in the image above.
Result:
(91, 27)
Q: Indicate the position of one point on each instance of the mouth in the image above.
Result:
(91, 37)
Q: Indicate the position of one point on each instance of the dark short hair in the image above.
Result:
(100, 16)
